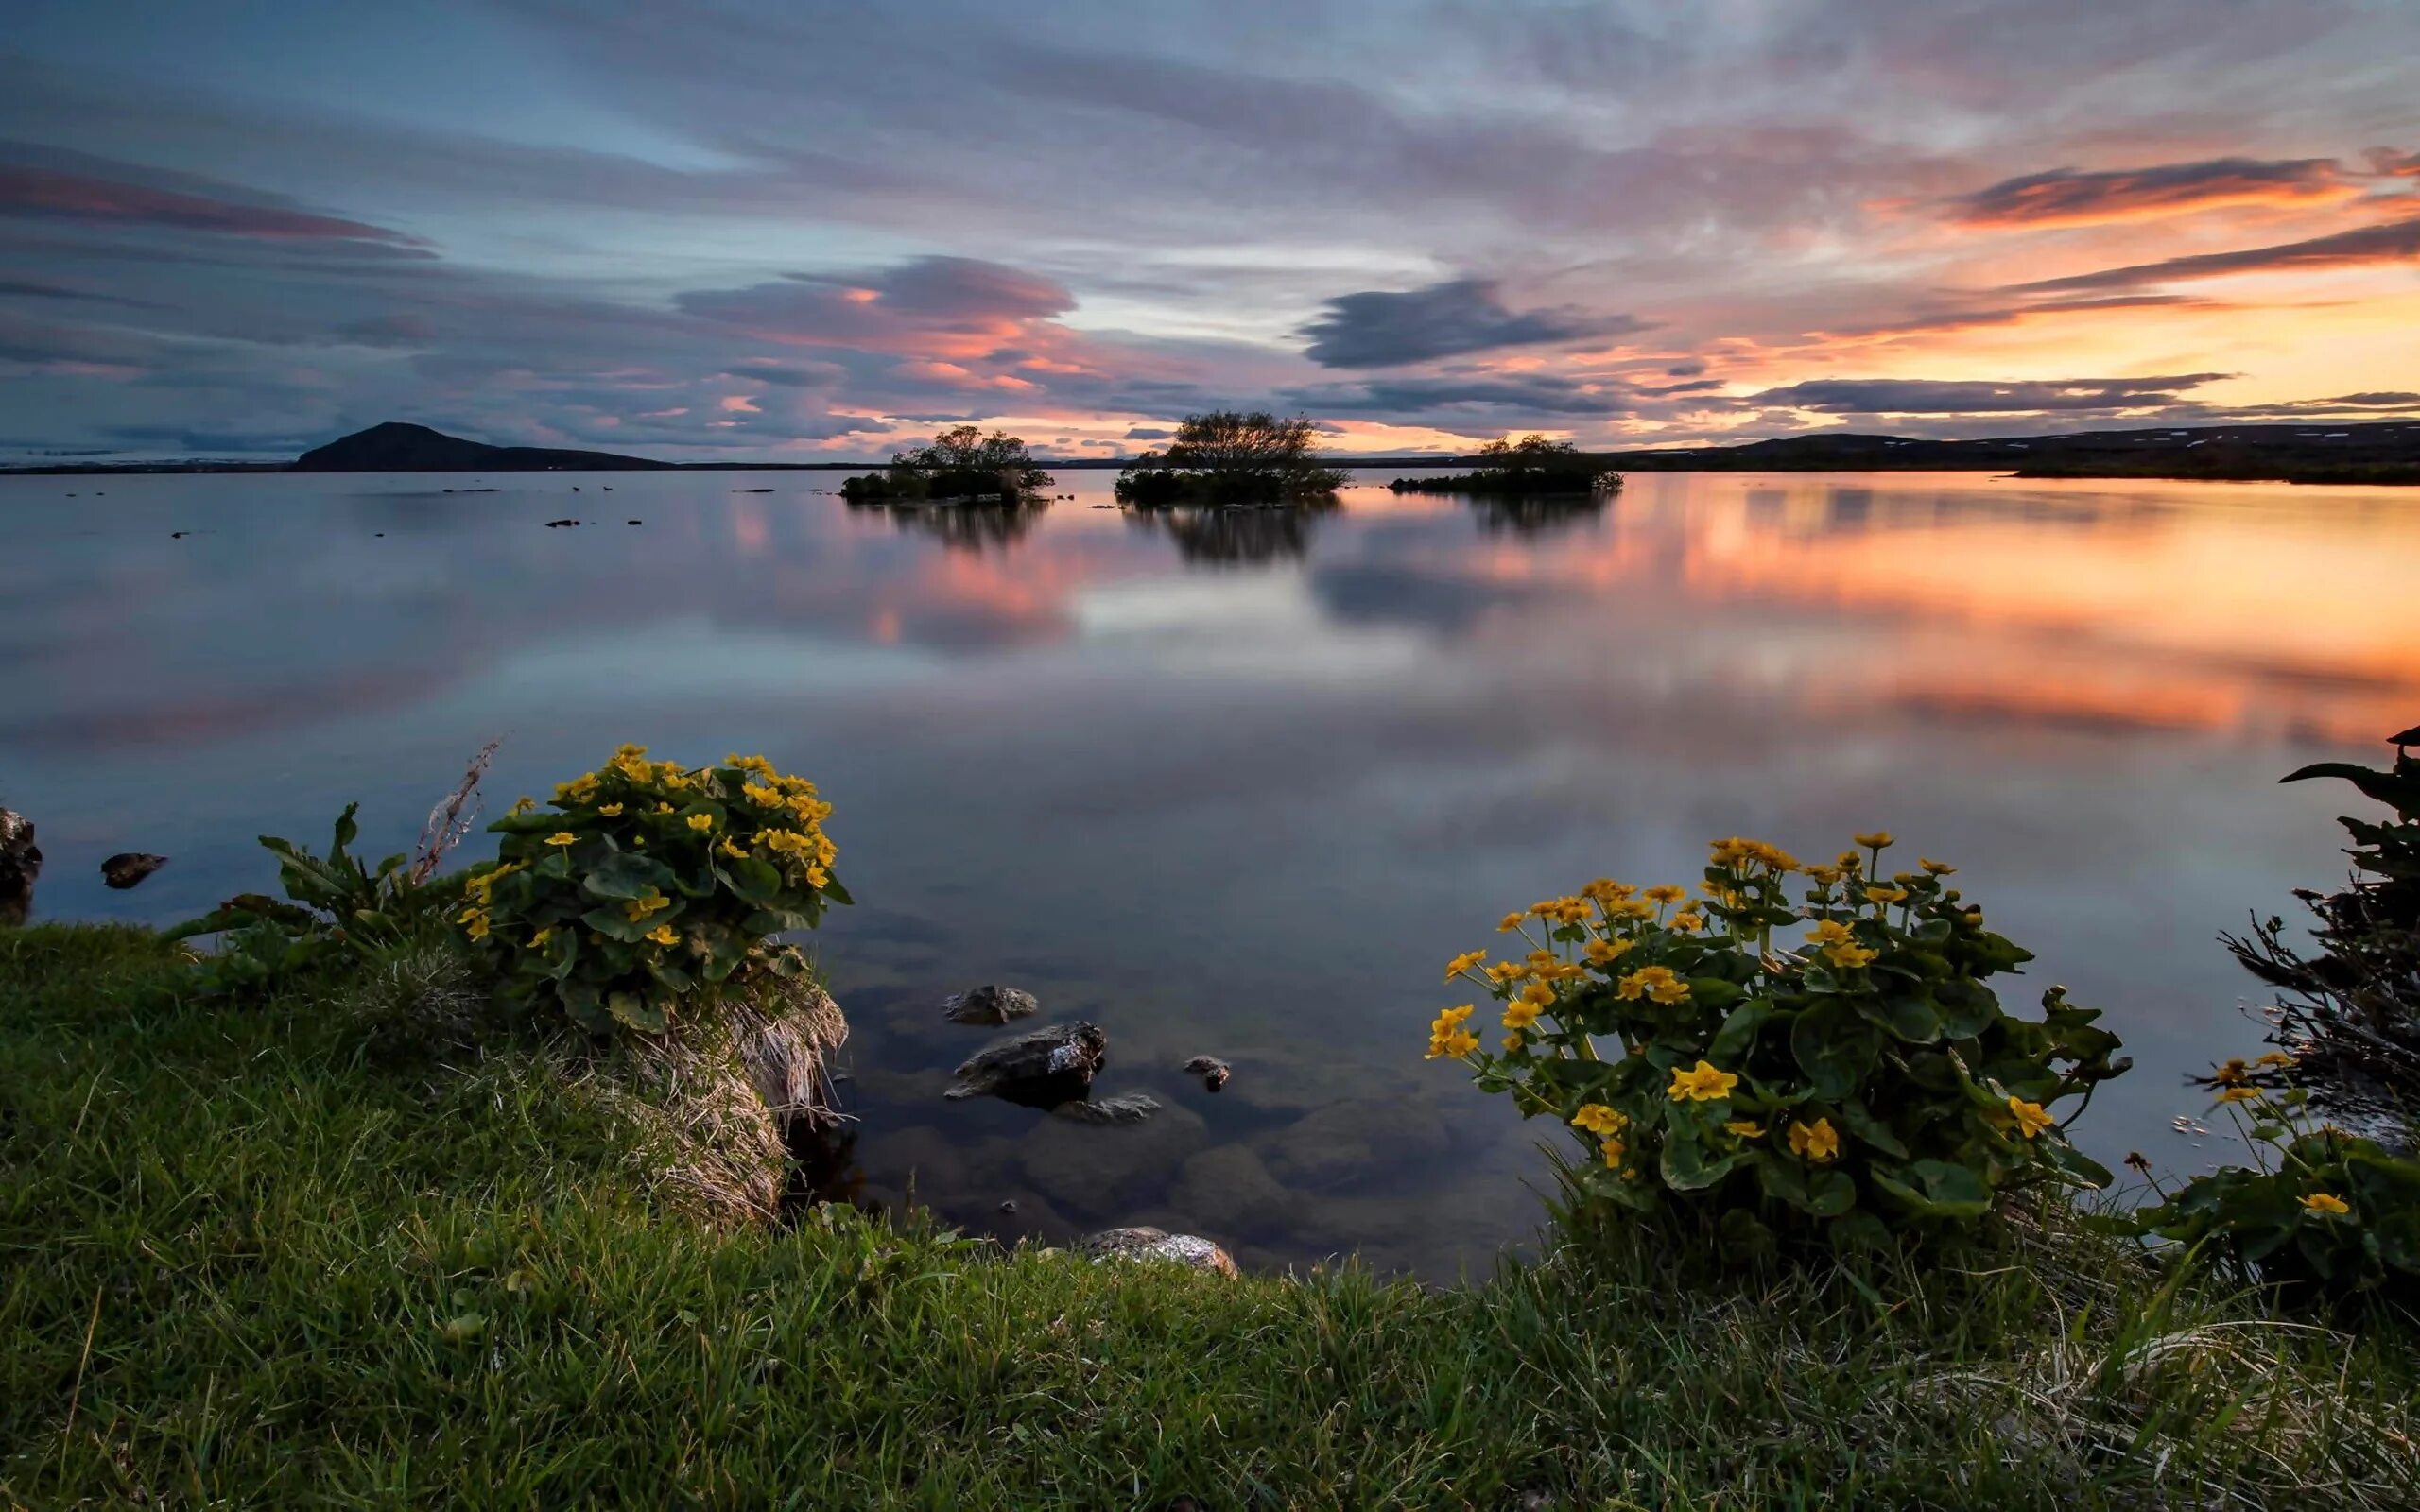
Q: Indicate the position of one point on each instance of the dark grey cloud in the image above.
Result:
(1920, 396)
(2073, 196)
(1149, 433)
(2392, 242)
(124, 199)
(1535, 393)
(1375, 329)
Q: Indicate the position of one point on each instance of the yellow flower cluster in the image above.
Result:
(1702, 1083)
(1654, 982)
(1446, 1036)
(1818, 1142)
(1740, 854)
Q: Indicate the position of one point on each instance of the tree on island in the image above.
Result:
(1229, 456)
(1526, 464)
(962, 463)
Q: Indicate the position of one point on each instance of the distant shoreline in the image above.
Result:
(2360, 453)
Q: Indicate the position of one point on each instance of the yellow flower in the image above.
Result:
(1702, 1083)
(1830, 931)
(2274, 1057)
(638, 908)
(1849, 861)
(2325, 1202)
(612, 811)
(663, 808)
(2239, 1094)
(762, 792)
(1512, 1042)
(1630, 908)
(750, 764)
(663, 934)
(1613, 1151)
(2231, 1073)
(522, 804)
(474, 924)
(1463, 963)
(732, 848)
(539, 939)
(1746, 1129)
(1817, 1141)
(466, 916)
(1454, 1043)
(1605, 890)
(1886, 895)
(1520, 1013)
(1665, 893)
(1875, 841)
(562, 837)
(1606, 951)
(2030, 1119)
(1939, 868)
(1655, 982)
(1849, 957)
(1688, 921)
(702, 821)
(1597, 1118)
(1824, 874)
(1509, 923)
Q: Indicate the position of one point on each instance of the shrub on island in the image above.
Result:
(1862, 1082)
(962, 463)
(1530, 465)
(1231, 457)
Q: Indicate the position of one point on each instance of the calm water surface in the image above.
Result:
(1238, 787)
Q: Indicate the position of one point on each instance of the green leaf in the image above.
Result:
(1908, 1016)
(1686, 1169)
(1966, 1008)
(347, 831)
(1739, 1031)
(1936, 1188)
(2398, 793)
(635, 1013)
(1834, 1046)
(1869, 1129)
(839, 894)
(626, 874)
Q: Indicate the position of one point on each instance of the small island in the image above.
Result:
(1232, 458)
(961, 466)
(1527, 468)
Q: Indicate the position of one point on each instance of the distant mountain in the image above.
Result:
(395, 447)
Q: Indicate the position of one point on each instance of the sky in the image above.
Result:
(788, 229)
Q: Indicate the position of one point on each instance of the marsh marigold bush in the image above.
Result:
(645, 882)
(1859, 1077)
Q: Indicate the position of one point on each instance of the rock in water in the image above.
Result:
(1213, 1072)
(1131, 1109)
(1040, 1068)
(989, 1003)
(128, 868)
(1158, 1243)
(20, 864)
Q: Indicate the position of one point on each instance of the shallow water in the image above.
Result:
(1239, 788)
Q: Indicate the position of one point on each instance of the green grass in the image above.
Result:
(258, 1256)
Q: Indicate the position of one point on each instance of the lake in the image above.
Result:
(1238, 785)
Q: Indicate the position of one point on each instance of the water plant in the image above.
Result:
(645, 882)
(1861, 1081)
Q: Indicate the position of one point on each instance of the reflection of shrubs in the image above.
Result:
(2351, 1013)
(962, 463)
(1863, 1082)
(1236, 536)
(1530, 514)
(650, 881)
(1531, 465)
(1230, 456)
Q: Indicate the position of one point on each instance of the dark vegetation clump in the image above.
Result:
(961, 464)
(1528, 467)
(1231, 457)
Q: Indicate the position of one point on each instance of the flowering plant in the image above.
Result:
(2318, 1207)
(647, 880)
(1862, 1079)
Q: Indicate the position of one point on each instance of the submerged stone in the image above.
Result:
(989, 1003)
(128, 868)
(1213, 1072)
(1040, 1068)
(1131, 1109)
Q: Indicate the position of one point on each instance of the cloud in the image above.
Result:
(2070, 196)
(26, 191)
(1149, 433)
(1536, 393)
(1375, 329)
(2392, 241)
(1925, 396)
